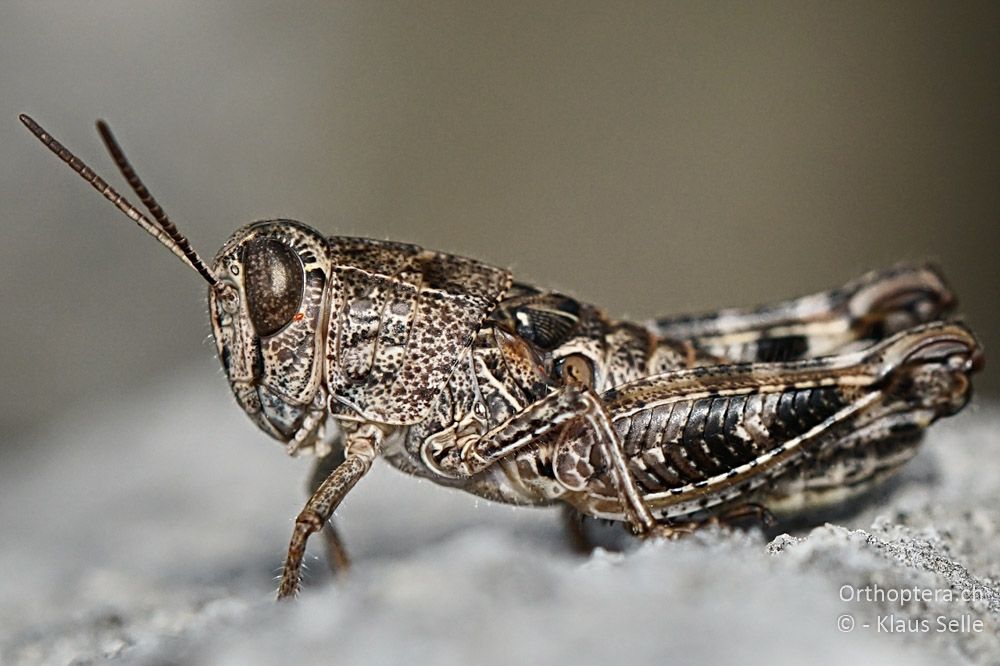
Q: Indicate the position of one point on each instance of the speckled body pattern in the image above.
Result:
(698, 431)
(353, 348)
(458, 372)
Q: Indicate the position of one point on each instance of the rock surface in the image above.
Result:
(149, 532)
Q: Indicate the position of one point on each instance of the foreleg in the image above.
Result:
(336, 553)
(361, 449)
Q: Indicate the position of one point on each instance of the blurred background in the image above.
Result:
(650, 157)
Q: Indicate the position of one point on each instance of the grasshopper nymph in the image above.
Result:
(353, 349)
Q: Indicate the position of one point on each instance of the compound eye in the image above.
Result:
(576, 368)
(273, 281)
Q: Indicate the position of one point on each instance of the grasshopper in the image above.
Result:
(444, 366)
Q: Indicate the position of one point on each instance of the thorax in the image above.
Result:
(519, 356)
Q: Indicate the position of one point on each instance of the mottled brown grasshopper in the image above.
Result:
(353, 348)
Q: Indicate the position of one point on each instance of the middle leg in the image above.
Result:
(572, 406)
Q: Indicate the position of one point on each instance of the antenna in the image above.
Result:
(162, 229)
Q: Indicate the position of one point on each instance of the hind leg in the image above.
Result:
(732, 517)
(858, 314)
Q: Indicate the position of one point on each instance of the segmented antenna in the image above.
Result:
(162, 230)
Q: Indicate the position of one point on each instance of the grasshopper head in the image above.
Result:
(266, 309)
(266, 297)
